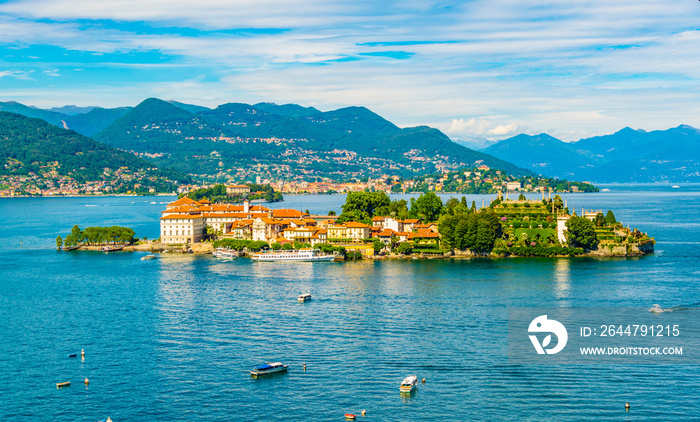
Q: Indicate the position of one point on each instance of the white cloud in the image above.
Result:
(502, 130)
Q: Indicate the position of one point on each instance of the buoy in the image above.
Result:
(627, 407)
(82, 352)
(364, 412)
(304, 366)
(423, 380)
(87, 381)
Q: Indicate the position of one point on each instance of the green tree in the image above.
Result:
(377, 245)
(599, 220)
(610, 218)
(428, 207)
(522, 197)
(405, 248)
(276, 246)
(558, 203)
(287, 246)
(365, 203)
(331, 212)
(473, 208)
(580, 232)
(59, 242)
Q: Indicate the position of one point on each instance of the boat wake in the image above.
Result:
(657, 309)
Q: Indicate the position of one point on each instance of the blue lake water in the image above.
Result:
(171, 339)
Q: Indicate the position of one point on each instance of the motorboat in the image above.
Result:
(305, 255)
(304, 297)
(350, 416)
(148, 257)
(656, 309)
(225, 253)
(409, 384)
(675, 187)
(268, 368)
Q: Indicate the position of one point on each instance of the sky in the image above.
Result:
(473, 69)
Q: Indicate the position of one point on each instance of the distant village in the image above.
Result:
(50, 183)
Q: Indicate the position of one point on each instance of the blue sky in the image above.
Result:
(484, 68)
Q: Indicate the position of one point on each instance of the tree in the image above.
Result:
(522, 197)
(599, 220)
(428, 207)
(473, 208)
(365, 203)
(59, 242)
(287, 246)
(377, 245)
(580, 232)
(331, 212)
(276, 246)
(405, 248)
(610, 218)
(558, 203)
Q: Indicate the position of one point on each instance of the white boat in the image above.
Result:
(304, 297)
(656, 309)
(148, 257)
(675, 187)
(225, 253)
(307, 255)
(409, 384)
(268, 368)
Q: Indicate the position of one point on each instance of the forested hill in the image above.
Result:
(31, 146)
(243, 141)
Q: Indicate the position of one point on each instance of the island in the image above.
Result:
(373, 226)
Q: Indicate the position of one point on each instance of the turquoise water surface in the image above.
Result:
(171, 339)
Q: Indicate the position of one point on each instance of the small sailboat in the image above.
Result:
(409, 384)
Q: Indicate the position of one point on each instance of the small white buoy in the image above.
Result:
(82, 352)
(627, 407)
(423, 380)
(364, 412)
(304, 366)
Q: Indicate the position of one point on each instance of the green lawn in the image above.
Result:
(532, 233)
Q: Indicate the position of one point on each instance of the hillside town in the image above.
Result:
(48, 182)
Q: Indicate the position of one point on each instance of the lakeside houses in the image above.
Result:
(49, 183)
(187, 221)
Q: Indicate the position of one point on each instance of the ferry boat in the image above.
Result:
(304, 297)
(268, 368)
(307, 255)
(409, 384)
(225, 253)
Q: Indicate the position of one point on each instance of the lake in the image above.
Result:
(172, 339)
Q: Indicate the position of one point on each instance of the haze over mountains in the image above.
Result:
(627, 156)
(239, 140)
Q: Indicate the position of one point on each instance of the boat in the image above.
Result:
(675, 187)
(350, 416)
(305, 255)
(268, 368)
(304, 297)
(409, 384)
(70, 248)
(225, 253)
(112, 248)
(63, 384)
(147, 257)
(656, 309)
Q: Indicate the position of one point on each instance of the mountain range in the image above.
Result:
(240, 141)
(627, 156)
